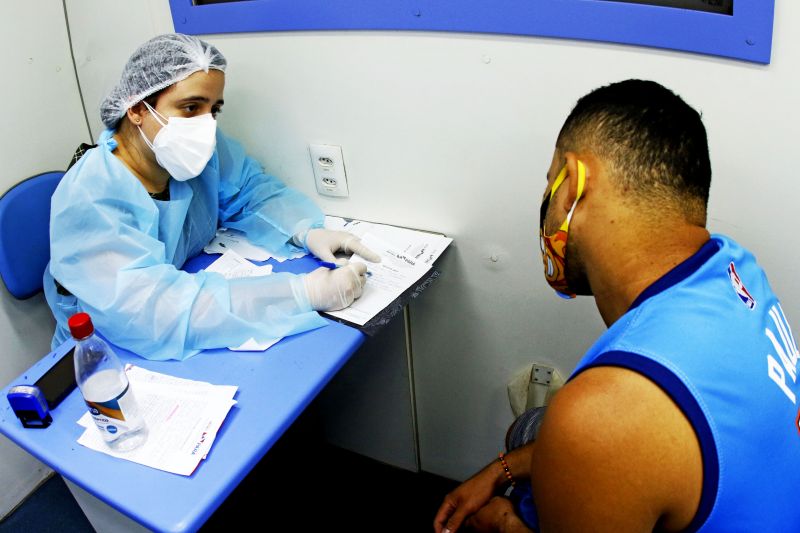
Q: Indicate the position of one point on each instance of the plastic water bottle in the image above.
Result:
(105, 388)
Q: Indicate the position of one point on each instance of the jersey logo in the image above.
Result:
(740, 289)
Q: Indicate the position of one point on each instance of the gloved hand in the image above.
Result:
(323, 243)
(331, 290)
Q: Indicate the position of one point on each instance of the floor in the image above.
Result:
(303, 484)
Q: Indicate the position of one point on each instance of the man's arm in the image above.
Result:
(615, 454)
(497, 516)
(476, 492)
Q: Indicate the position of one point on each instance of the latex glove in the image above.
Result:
(331, 290)
(323, 243)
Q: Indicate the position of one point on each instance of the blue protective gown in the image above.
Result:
(119, 252)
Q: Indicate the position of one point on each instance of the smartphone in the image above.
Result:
(59, 381)
(32, 403)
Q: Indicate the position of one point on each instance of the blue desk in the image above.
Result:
(274, 388)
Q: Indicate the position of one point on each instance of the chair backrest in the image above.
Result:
(25, 233)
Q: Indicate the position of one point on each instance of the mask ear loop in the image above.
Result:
(558, 181)
(581, 185)
(155, 114)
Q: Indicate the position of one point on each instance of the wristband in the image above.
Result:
(503, 463)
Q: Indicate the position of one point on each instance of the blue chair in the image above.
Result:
(25, 233)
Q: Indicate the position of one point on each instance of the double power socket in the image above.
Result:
(329, 173)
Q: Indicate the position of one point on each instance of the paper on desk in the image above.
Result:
(182, 417)
(403, 262)
(232, 266)
(335, 223)
(189, 386)
(406, 256)
(420, 246)
(230, 239)
(251, 345)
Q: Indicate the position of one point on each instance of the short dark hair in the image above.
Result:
(654, 142)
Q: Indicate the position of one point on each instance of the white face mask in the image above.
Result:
(183, 146)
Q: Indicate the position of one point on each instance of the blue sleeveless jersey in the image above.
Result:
(713, 336)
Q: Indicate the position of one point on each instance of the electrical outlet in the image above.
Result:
(544, 382)
(542, 375)
(329, 174)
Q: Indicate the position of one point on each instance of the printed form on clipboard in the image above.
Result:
(406, 256)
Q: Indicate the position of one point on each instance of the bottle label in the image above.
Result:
(116, 416)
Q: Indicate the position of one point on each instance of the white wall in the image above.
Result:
(43, 124)
(454, 133)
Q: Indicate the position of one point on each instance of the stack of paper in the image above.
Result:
(406, 255)
(182, 417)
(231, 239)
(232, 265)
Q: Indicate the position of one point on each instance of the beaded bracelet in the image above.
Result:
(505, 468)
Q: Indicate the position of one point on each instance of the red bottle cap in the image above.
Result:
(80, 325)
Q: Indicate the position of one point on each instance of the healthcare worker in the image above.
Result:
(152, 194)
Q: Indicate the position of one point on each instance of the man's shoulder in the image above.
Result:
(611, 429)
(614, 399)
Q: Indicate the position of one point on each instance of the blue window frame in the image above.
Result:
(744, 34)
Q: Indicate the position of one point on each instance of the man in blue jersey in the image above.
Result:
(683, 416)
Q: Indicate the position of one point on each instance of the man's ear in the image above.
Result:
(572, 180)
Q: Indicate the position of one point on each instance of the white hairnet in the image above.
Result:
(157, 64)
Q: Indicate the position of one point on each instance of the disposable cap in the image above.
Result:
(160, 62)
(80, 325)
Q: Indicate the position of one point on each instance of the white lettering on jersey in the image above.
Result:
(787, 351)
(776, 374)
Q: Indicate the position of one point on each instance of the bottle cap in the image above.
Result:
(80, 325)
